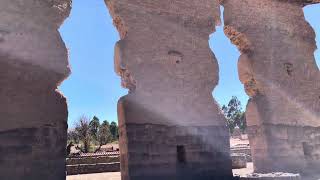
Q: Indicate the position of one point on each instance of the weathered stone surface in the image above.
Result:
(93, 168)
(154, 147)
(246, 151)
(92, 160)
(165, 61)
(279, 73)
(33, 61)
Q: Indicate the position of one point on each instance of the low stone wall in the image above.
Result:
(92, 164)
(98, 164)
(93, 168)
(92, 160)
(242, 150)
(238, 161)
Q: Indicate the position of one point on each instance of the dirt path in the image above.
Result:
(116, 175)
(99, 176)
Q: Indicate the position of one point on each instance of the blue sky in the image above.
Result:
(93, 87)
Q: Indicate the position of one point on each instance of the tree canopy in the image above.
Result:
(234, 115)
(90, 135)
(104, 133)
(114, 130)
(94, 127)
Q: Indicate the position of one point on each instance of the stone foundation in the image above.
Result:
(285, 148)
(92, 168)
(92, 160)
(153, 151)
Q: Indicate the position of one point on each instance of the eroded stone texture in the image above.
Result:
(33, 61)
(279, 73)
(170, 127)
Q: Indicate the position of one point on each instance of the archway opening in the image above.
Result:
(92, 89)
(230, 92)
(312, 16)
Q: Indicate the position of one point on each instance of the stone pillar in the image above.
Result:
(279, 73)
(33, 62)
(170, 126)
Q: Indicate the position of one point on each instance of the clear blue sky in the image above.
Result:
(93, 87)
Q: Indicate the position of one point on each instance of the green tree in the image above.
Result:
(94, 127)
(82, 130)
(240, 121)
(234, 115)
(114, 130)
(104, 135)
(73, 136)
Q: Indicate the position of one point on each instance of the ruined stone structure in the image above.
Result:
(279, 73)
(170, 126)
(33, 61)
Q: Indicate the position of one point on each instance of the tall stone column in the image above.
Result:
(33, 114)
(170, 126)
(279, 73)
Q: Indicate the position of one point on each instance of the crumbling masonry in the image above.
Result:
(279, 73)
(170, 126)
(33, 61)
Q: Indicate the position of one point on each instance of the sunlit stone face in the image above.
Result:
(28, 33)
(168, 61)
(279, 72)
(164, 52)
(33, 62)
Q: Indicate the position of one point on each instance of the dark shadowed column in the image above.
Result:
(170, 126)
(33, 114)
(279, 72)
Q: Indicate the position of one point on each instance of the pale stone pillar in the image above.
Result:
(279, 73)
(33, 62)
(170, 126)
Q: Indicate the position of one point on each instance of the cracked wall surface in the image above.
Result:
(170, 126)
(279, 73)
(33, 62)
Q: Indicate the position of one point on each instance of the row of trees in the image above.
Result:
(234, 115)
(91, 135)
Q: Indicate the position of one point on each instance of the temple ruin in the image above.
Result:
(279, 73)
(164, 59)
(33, 62)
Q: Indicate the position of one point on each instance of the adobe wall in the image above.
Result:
(279, 73)
(165, 61)
(33, 62)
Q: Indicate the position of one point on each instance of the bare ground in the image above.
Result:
(98, 176)
(116, 176)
